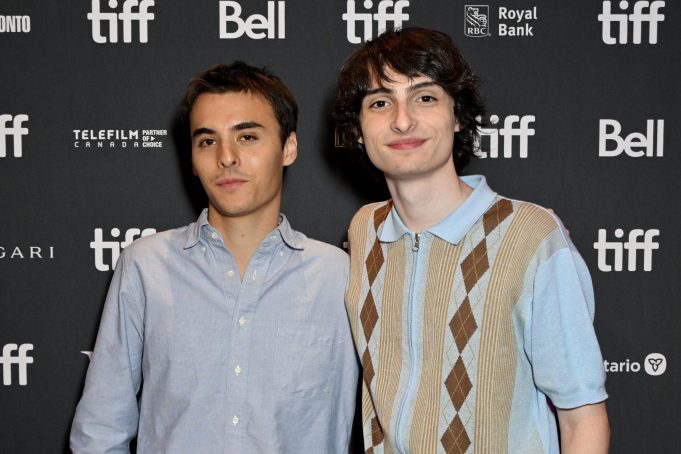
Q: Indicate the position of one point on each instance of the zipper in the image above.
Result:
(412, 348)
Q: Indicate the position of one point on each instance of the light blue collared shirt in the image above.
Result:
(260, 365)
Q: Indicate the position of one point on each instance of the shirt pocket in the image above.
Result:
(305, 358)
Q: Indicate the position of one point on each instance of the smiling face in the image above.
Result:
(408, 127)
(238, 155)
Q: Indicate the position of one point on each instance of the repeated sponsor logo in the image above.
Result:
(99, 245)
(616, 25)
(510, 22)
(255, 26)
(15, 355)
(639, 243)
(111, 139)
(125, 15)
(26, 252)
(15, 24)
(12, 130)
(384, 14)
(612, 143)
(513, 126)
(654, 364)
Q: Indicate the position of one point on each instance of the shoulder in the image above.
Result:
(324, 252)
(370, 212)
(159, 244)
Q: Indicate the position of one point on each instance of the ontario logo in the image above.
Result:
(476, 21)
(654, 364)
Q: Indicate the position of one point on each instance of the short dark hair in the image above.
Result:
(411, 52)
(240, 77)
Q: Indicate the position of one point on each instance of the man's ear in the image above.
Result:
(290, 149)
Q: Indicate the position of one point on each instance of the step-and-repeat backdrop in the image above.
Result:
(583, 116)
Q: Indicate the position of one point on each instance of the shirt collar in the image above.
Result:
(453, 227)
(292, 238)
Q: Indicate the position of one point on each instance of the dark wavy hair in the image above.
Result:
(411, 52)
(240, 77)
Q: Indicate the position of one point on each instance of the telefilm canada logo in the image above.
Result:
(514, 131)
(384, 14)
(12, 131)
(114, 139)
(15, 355)
(654, 364)
(615, 25)
(129, 15)
(510, 22)
(254, 26)
(15, 24)
(107, 262)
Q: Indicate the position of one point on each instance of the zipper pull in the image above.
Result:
(415, 247)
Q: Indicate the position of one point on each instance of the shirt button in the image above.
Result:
(281, 253)
(242, 320)
(230, 273)
(235, 420)
(213, 235)
(237, 370)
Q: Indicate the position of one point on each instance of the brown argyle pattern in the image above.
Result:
(456, 440)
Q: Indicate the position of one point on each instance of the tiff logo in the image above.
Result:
(514, 126)
(637, 18)
(127, 17)
(99, 245)
(632, 246)
(21, 359)
(384, 15)
(15, 131)
(635, 144)
(275, 21)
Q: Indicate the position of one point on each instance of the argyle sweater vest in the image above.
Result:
(461, 394)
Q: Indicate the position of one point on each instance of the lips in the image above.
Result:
(230, 183)
(406, 144)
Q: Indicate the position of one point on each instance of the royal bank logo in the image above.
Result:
(15, 24)
(510, 139)
(654, 364)
(612, 143)
(12, 131)
(126, 15)
(107, 262)
(255, 26)
(641, 12)
(639, 245)
(360, 25)
(112, 139)
(15, 355)
(476, 21)
(26, 252)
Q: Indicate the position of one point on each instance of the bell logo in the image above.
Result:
(635, 144)
(389, 11)
(643, 11)
(21, 359)
(16, 131)
(633, 245)
(655, 364)
(274, 23)
(514, 126)
(142, 16)
(99, 245)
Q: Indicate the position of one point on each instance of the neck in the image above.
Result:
(424, 202)
(243, 235)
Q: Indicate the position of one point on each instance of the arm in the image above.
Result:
(584, 430)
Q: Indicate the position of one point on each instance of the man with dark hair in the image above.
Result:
(471, 312)
(232, 329)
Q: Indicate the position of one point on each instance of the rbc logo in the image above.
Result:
(99, 245)
(22, 360)
(508, 132)
(637, 18)
(127, 17)
(633, 245)
(476, 21)
(275, 17)
(382, 17)
(15, 131)
(635, 144)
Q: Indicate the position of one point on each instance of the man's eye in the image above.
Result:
(428, 98)
(247, 138)
(378, 104)
(206, 142)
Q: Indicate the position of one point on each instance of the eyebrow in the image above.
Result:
(411, 88)
(237, 127)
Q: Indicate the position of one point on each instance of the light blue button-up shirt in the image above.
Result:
(260, 365)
